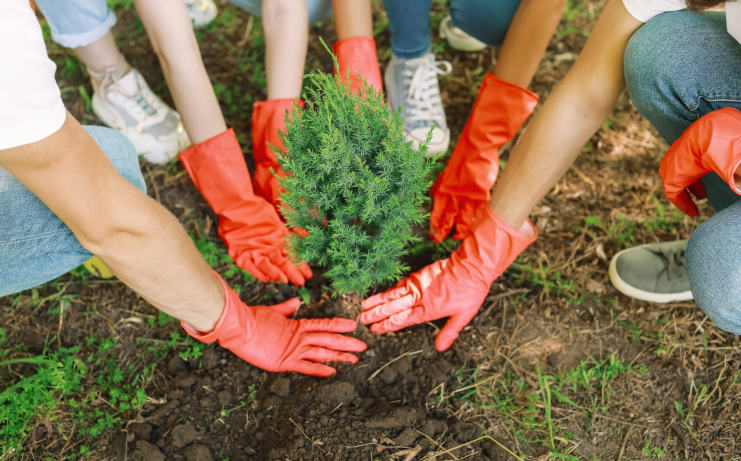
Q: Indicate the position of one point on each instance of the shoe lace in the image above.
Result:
(143, 103)
(674, 260)
(423, 97)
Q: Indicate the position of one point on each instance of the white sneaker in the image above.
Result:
(201, 12)
(129, 106)
(412, 85)
(457, 38)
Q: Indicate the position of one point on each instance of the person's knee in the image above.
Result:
(658, 56)
(713, 259)
(120, 152)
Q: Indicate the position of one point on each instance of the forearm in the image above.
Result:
(527, 39)
(169, 28)
(570, 116)
(353, 18)
(152, 254)
(286, 27)
(548, 147)
(138, 239)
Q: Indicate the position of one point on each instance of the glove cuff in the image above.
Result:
(214, 334)
(204, 163)
(495, 238)
(267, 118)
(499, 112)
(358, 55)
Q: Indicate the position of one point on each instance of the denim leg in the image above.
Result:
(409, 22)
(485, 20)
(319, 10)
(35, 245)
(76, 23)
(713, 259)
(680, 66)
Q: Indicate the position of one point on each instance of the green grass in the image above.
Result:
(550, 279)
(97, 391)
(586, 388)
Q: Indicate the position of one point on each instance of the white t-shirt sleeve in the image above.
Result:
(31, 107)
(643, 10)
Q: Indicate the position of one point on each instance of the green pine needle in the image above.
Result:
(353, 182)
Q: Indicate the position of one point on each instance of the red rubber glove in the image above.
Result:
(711, 144)
(268, 117)
(265, 337)
(455, 287)
(248, 225)
(463, 189)
(358, 55)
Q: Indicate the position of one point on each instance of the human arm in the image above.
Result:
(256, 245)
(501, 108)
(527, 39)
(568, 119)
(353, 18)
(145, 246)
(286, 27)
(142, 243)
(169, 29)
(573, 112)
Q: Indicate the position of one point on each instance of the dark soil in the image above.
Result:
(404, 395)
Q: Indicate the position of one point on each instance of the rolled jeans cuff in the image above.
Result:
(86, 38)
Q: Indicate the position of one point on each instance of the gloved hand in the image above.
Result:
(265, 337)
(268, 117)
(455, 287)
(358, 55)
(463, 189)
(712, 143)
(249, 226)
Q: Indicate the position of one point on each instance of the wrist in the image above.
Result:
(205, 319)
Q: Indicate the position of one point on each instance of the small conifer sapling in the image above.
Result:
(353, 182)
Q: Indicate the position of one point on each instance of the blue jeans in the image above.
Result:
(76, 23)
(35, 245)
(409, 21)
(680, 66)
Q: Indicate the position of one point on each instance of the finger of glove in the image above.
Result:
(312, 369)
(384, 311)
(334, 342)
(320, 354)
(698, 190)
(269, 269)
(449, 333)
(254, 271)
(684, 202)
(464, 220)
(305, 271)
(383, 298)
(442, 218)
(334, 325)
(399, 321)
(293, 273)
(287, 308)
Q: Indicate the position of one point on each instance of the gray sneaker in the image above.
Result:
(412, 85)
(653, 272)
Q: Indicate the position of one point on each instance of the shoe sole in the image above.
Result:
(152, 150)
(628, 290)
(462, 44)
(432, 149)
